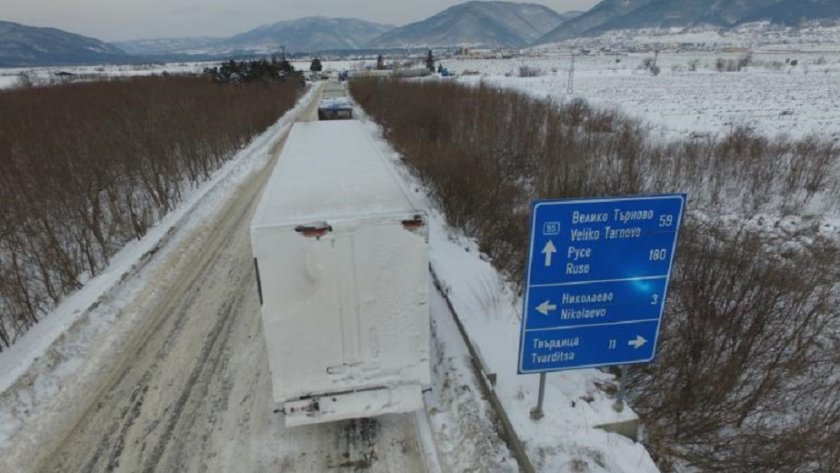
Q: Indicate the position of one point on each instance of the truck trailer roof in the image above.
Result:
(329, 171)
(341, 263)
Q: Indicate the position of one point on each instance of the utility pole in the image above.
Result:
(571, 87)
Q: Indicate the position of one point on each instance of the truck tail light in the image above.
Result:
(413, 223)
(316, 230)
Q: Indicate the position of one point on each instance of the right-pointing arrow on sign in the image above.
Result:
(638, 342)
(546, 307)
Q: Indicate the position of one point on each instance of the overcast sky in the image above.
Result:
(114, 20)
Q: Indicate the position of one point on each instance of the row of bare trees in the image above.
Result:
(86, 167)
(747, 379)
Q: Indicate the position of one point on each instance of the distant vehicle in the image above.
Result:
(336, 108)
(341, 256)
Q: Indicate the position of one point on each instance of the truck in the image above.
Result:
(334, 105)
(341, 257)
(335, 108)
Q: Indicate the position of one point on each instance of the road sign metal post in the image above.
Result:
(622, 390)
(537, 412)
(597, 280)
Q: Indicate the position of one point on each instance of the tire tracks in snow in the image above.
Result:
(210, 253)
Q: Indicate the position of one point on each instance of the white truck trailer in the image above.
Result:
(342, 266)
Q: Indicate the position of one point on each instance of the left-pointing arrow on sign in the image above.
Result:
(546, 307)
(638, 342)
(548, 251)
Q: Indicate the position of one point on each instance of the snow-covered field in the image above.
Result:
(790, 85)
(689, 95)
(11, 77)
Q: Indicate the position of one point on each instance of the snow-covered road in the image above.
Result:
(178, 378)
(190, 391)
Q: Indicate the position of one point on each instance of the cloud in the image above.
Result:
(202, 9)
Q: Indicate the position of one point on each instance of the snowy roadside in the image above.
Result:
(566, 439)
(56, 351)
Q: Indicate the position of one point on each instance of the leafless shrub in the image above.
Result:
(86, 167)
(734, 65)
(746, 359)
(692, 65)
(24, 80)
(745, 374)
(745, 61)
(465, 141)
(776, 65)
(529, 71)
(649, 64)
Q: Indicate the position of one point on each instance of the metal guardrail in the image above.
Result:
(488, 383)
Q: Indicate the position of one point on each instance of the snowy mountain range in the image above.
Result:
(308, 34)
(22, 45)
(491, 24)
(165, 45)
(476, 23)
(792, 12)
(632, 14)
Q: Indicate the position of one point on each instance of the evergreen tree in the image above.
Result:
(262, 69)
(286, 66)
(430, 62)
(316, 65)
(380, 63)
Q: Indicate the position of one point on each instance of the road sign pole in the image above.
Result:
(537, 412)
(622, 390)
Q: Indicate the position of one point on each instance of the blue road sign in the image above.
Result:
(598, 272)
